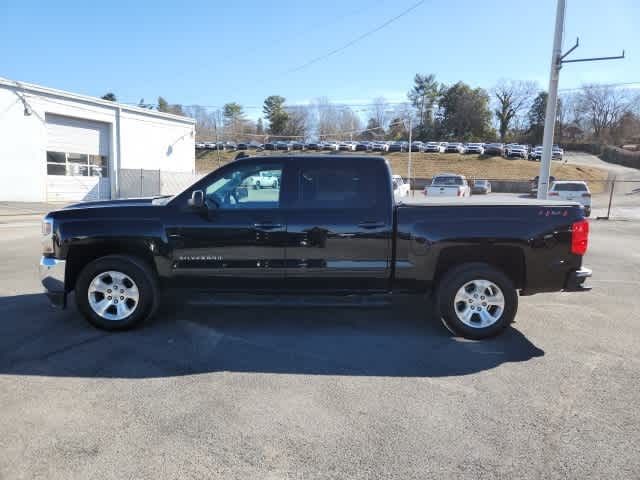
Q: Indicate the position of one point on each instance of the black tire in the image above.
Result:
(138, 271)
(454, 279)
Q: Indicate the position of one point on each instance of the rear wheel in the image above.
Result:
(476, 301)
(116, 292)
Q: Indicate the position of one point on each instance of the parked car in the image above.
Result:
(282, 145)
(230, 146)
(364, 147)
(494, 149)
(516, 151)
(572, 191)
(417, 146)
(557, 153)
(334, 228)
(313, 146)
(380, 147)
(255, 145)
(474, 148)
(210, 145)
(331, 146)
(400, 187)
(200, 145)
(536, 153)
(533, 190)
(398, 147)
(448, 185)
(436, 147)
(270, 146)
(454, 147)
(263, 179)
(347, 146)
(297, 146)
(242, 146)
(481, 187)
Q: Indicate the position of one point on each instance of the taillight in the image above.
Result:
(586, 194)
(459, 192)
(553, 194)
(579, 237)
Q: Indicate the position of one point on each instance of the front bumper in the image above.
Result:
(576, 279)
(52, 276)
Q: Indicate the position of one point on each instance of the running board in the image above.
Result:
(291, 301)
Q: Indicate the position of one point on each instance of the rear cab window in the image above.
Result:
(570, 187)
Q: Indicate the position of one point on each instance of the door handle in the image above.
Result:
(370, 225)
(267, 225)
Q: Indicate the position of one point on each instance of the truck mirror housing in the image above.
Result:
(197, 199)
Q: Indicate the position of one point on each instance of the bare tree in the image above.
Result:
(603, 107)
(205, 121)
(513, 97)
(299, 121)
(328, 115)
(380, 114)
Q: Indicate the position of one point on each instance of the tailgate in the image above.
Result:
(443, 190)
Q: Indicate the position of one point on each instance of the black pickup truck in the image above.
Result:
(329, 225)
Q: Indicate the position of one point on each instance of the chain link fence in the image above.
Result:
(135, 182)
(618, 199)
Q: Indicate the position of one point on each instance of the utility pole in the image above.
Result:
(409, 163)
(557, 59)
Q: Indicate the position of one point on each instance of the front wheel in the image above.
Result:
(117, 292)
(476, 301)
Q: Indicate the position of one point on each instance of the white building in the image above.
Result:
(60, 146)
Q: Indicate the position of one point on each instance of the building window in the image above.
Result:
(77, 164)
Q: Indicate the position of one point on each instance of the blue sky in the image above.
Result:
(212, 52)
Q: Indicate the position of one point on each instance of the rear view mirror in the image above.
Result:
(197, 199)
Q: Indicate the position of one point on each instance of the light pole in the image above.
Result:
(409, 163)
(557, 59)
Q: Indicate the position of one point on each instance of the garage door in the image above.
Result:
(77, 159)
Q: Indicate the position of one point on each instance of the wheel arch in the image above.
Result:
(510, 260)
(79, 256)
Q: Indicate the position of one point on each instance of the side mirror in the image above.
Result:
(197, 199)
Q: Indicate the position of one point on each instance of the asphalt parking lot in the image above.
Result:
(323, 393)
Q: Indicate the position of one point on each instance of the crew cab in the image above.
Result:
(332, 227)
(448, 185)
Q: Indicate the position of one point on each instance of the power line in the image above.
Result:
(357, 39)
(372, 105)
(600, 85)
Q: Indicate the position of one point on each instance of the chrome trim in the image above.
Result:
(52, 273)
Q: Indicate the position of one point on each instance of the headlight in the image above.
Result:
(47, 236)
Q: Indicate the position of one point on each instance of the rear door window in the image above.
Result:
(344, 185)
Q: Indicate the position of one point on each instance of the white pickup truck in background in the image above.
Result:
(448, 185)
(266, 179)
(573, 191)
(400, 187)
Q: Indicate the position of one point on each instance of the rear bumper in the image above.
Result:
(52, 276)
(575, 280)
